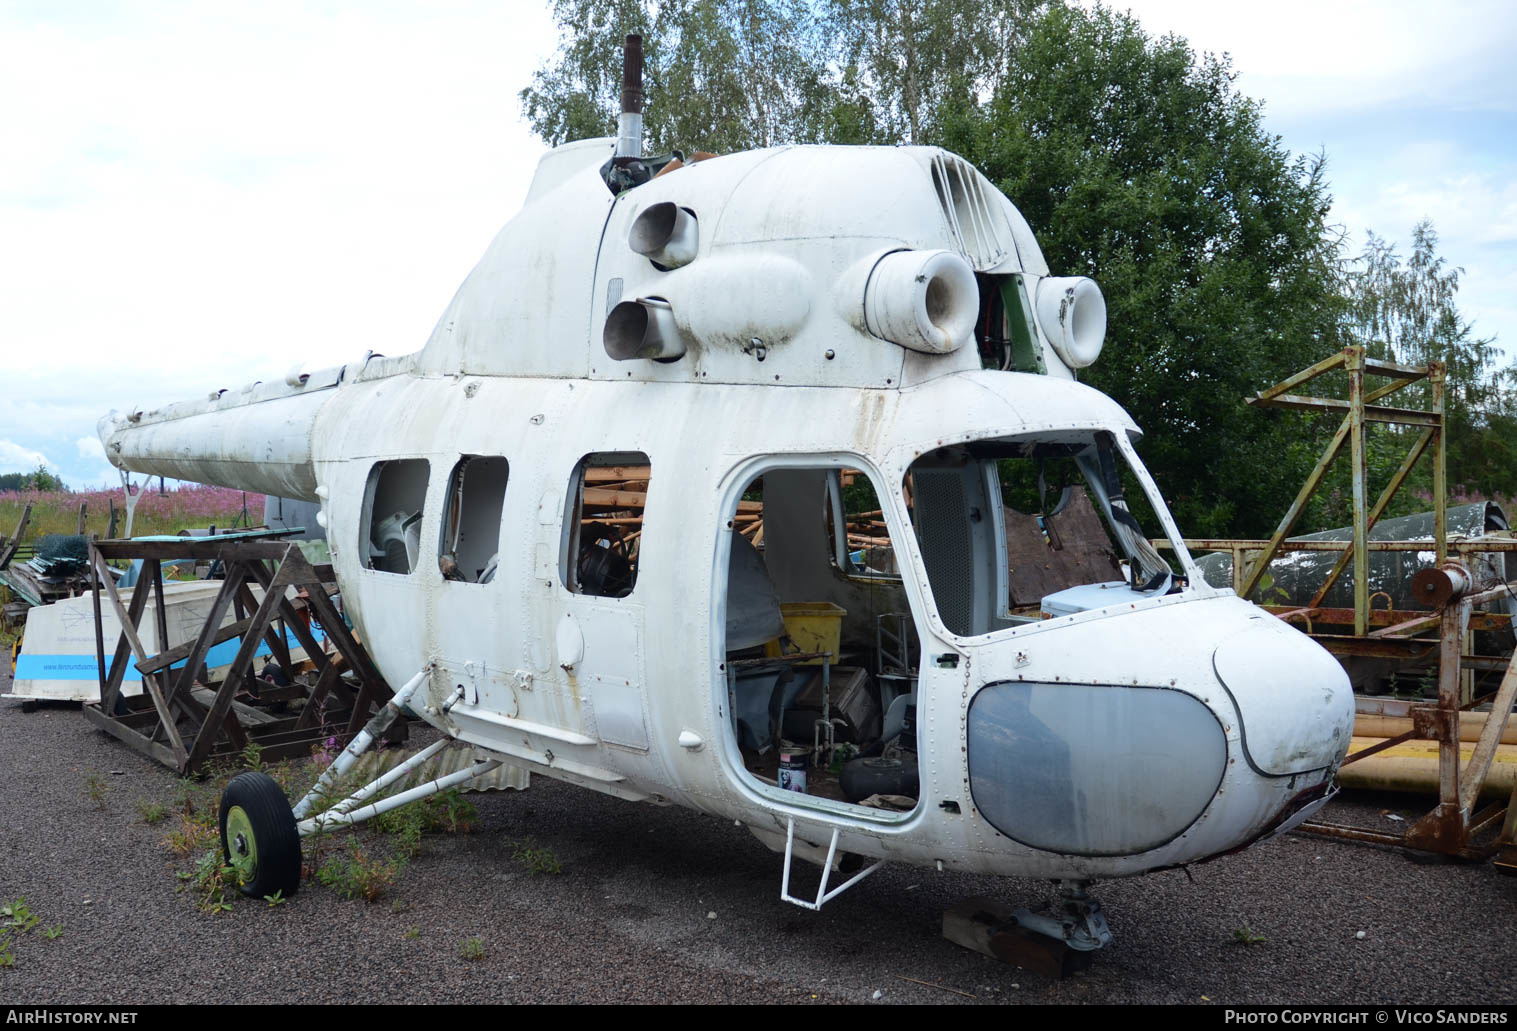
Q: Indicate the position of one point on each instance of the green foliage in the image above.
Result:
(1140, 166)
(449, 812)
(152, 812)
(252, 757)
(18, 916)
(95, 788)
(413, 932)
(213, 882)
(1406, 311)
(39, 479)
(472, 949)
(536, 860)
(1244, 935)
(406, 824)
(357, 875)
(914, 64)
(276, 899)
(718, 76)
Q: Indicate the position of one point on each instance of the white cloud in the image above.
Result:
(17, 459)
(202, 183)
(1305, 57)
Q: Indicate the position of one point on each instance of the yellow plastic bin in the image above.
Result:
(812, 626)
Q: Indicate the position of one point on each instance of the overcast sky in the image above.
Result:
(197, 195)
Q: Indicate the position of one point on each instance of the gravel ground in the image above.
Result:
(627, 919)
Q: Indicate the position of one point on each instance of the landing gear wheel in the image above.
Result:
(875, 776)
(259, 836)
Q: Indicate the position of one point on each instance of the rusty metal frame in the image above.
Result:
(1454, 824)
(1359, 410)
(174, 721)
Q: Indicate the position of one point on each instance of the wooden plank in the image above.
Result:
(319, 694)
(616, 473)
(129, 631)
(130, 737)
(117, 669)
(199, 548)
(163, 660)
(991, 928)
(305, 738)
(222, 715)
(337, 632)
(600, 497)
(154, 568)
(15, 541)
(99, 627)
(271, 634)
(300, 575)
(366, 700)
(249, 715)
(195, 657)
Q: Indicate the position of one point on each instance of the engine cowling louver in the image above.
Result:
(975, 217)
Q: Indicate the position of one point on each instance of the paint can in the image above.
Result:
(794, 762)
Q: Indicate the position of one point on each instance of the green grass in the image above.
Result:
(537, 860)
(167, 513)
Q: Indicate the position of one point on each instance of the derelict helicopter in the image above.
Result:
(769, 334)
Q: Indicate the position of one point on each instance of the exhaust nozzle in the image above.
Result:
(629, 138)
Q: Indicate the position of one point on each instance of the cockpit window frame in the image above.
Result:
(1195, 584)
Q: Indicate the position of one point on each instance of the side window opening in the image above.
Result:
(820, 669)
(394, 500)
(863, 549)
(468, 548)
(604, 527)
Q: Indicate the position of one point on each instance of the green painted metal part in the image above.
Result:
(1026, 348)
(242, 846)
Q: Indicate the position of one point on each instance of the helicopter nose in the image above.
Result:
(1295, 704)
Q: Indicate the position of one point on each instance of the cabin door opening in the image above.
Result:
(821, 649)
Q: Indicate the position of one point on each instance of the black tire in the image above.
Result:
(864, 777)
(270, 861)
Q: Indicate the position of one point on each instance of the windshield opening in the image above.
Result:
(1017, 529)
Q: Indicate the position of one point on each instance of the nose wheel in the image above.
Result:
(259, 838)
(1079, 921)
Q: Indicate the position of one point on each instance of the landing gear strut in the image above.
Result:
(1079, 921)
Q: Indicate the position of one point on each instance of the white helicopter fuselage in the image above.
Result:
(1159, 729)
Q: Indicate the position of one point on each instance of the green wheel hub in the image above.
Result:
(242, 844)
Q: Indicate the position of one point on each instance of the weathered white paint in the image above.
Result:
(779, 366)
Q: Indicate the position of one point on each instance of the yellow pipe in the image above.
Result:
(1412, 766)
(1470, 726)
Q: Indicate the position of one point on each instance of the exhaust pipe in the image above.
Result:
(665, 233)
(643, 328)
(629, 138)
